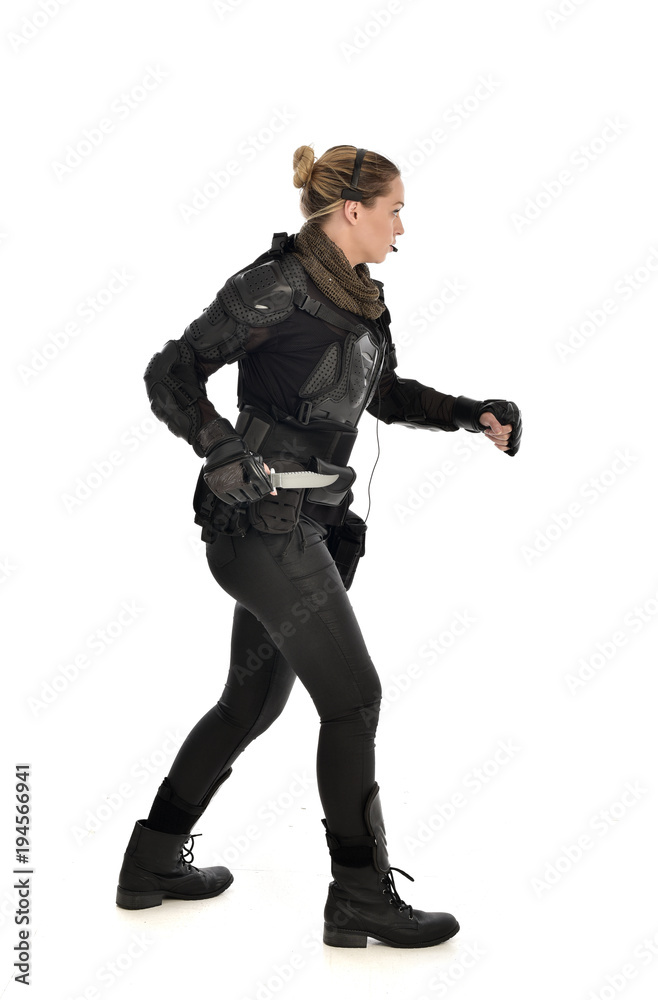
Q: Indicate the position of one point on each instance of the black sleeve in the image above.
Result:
(244, 313)
(176, 379)
(398, 400)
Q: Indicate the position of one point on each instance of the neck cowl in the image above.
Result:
(349, 287)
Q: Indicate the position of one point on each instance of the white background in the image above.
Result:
(484, 536)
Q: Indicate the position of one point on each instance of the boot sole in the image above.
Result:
(129, 899)
(339, 938)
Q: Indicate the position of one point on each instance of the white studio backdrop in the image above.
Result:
(508, 604)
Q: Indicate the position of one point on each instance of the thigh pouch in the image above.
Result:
(347, 543)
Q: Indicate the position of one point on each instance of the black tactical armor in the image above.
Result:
(307, 371)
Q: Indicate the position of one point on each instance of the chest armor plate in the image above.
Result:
(342, 383)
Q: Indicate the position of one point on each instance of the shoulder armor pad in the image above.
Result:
(259, 295)
(263, 295)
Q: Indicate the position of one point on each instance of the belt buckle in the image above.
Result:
(304, 412)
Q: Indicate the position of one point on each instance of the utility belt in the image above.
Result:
(290, 445)
(286, 444)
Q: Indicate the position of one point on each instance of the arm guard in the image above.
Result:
(407, 402)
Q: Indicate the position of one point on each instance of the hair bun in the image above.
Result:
(302, 162)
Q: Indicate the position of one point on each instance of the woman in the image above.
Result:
(309, 329)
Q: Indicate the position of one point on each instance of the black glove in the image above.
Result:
(231, 471)
(238, 481)
(466, 413)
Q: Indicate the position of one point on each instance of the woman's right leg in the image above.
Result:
(257, 688)
(155, 863)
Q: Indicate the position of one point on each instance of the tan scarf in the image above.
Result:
(349, 287)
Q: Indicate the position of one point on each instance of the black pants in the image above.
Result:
(293, 618)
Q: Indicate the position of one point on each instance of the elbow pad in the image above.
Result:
(173, 385)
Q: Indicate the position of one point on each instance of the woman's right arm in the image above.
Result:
(176, 380)
(176, 385)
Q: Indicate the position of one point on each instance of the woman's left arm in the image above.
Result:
(405, 401)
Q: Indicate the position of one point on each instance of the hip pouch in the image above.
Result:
(277, 515)
(333, 495)
(347, 543)
(215, 516)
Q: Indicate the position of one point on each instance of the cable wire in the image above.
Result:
(379, 404)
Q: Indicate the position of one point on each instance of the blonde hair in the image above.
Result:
(322, 180)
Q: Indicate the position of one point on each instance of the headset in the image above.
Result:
(352, 192)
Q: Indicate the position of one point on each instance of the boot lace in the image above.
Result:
(186, 855)
(389, 887)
